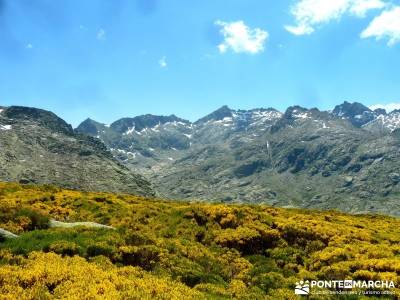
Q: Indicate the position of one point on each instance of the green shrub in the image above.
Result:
(262, 264)
(194, 278)
(137, 239)
(87, 241)
(64, 248)
(300, 237)
(267, 281)
(37, 220)
(100, 249)
(143, 256)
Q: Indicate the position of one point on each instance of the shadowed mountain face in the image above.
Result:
(356, 113)
(347, 158)
(39, 147)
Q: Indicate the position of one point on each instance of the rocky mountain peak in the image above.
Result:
(144, 121)
(218, 115)
(297, 112)
(43, 117)
(357, 113)
(350, 109)
(380, 111)
(90, 127)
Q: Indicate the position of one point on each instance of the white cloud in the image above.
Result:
(163, 62)
(388, 107)
(101, 34)
(300, 29)
(386, 25)
(360, 8)
(312, 13)
(240, 38)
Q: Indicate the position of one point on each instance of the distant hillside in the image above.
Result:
(39, 147)
(347, 158)
(179, 250)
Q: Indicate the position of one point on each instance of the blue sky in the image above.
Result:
(107, 59)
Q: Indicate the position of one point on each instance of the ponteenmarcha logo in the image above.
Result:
(302, 288)
(340, 286)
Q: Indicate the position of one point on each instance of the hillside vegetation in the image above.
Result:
(176, 250)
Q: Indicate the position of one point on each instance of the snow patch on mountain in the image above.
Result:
(129, 131)
(5, 127)
(226, 120)
(260, 117)
(300, 115)
(390, 121)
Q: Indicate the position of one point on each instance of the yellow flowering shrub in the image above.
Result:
(47, 275)
(179, 250)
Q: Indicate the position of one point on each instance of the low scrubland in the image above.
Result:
(182, 250)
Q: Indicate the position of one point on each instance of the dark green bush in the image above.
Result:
(64, 248)
(267, 281)
(193, 278)
(101, 249)
(38, 220)
(143, 256)
(137, 239)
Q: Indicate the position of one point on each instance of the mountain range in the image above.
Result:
(346, 158)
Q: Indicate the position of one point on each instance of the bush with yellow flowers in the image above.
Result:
(179, 250)
(48, 276)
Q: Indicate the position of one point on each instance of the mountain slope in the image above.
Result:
(39, 147)
(308, 160)
(347, 158)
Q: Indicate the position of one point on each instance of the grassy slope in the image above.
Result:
(175, 250)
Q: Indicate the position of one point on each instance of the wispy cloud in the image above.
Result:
(29, 46)
(388, 107)
(101, 34)
(386, 25)
(310, 14)
(163, 62)
(240, 38)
